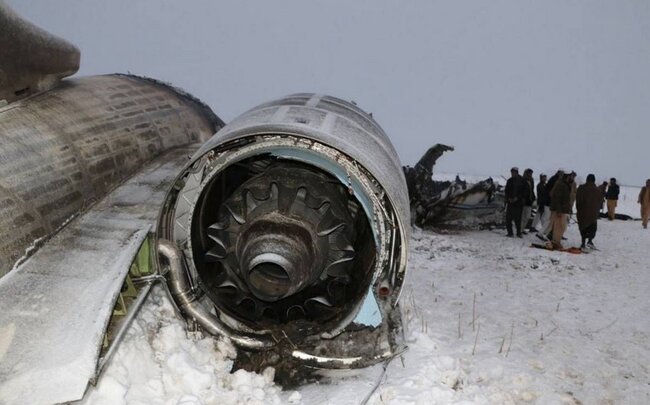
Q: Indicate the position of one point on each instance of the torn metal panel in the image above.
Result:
(56, 305)
(450, 203)
(463, 204)
(300, 361)
(64, 149)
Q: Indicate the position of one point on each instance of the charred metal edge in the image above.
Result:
(217, 123)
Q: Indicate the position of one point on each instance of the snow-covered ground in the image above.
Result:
(489, 321)
(627, 201)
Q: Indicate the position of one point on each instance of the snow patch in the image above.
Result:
(157, 363)
(6, 337)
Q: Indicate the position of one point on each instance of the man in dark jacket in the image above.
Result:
(545, 232)
(588, 202)
(603, 191)
(529, 198)
(515, 193)
(560, 208)
(543, 212)
(551, 182)
(612, 198)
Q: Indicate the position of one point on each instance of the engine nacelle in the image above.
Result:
(287, 232)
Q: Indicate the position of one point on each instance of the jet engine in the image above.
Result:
(287, 233)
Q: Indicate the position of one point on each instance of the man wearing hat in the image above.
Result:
(515, 196)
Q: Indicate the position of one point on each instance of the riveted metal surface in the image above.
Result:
(57, 304)
(62, 150)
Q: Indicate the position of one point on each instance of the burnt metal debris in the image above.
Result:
(450, 203)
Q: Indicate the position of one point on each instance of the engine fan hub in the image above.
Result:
(278, 257)
(282, 240)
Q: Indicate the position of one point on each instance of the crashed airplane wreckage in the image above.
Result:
(286, 232)
(450, 203)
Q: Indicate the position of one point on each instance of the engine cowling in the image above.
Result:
(290, 228)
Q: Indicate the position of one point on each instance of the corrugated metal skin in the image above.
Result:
(64, 149)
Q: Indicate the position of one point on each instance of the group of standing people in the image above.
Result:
(555, 201)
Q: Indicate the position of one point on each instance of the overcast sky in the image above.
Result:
(543, 84)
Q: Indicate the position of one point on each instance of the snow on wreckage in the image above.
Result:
(451, 203)
(286, 232)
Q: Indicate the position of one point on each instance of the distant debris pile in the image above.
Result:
(450, 203)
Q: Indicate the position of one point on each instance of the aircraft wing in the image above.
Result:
(57, 304)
